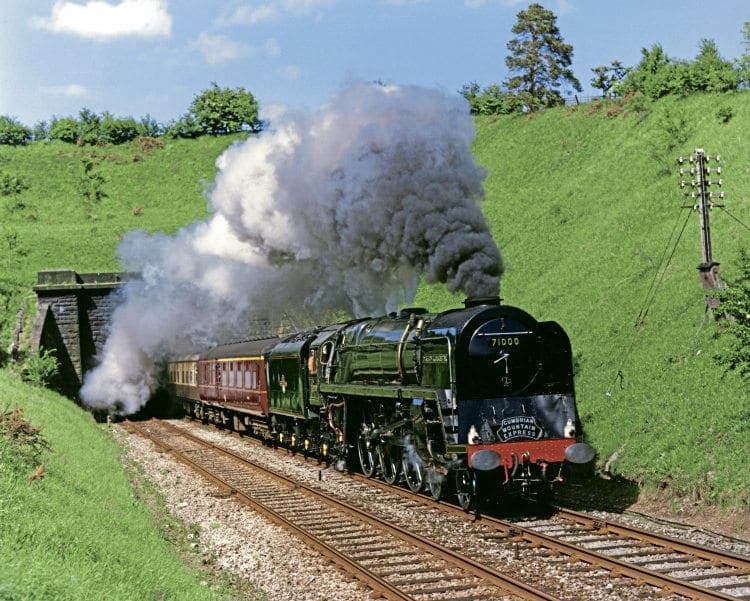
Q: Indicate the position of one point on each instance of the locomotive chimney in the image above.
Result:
(482, 300)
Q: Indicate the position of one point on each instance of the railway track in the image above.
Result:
(394, 562)
(671, 565)
(690, 569)
(575, 542)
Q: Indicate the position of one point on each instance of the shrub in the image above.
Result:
(12, 132)
(12, 184)
(65, 130)
(21, 443)
(735, 307)
(724, 114)
(491, 101)
(187, 127)
(40, 369)
(117, 131)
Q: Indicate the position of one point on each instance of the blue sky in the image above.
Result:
(138, 57)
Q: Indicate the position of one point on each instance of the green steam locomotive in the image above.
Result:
(470, 401)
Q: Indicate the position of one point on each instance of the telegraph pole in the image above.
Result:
(700, 183)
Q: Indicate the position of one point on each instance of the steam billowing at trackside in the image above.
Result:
(343, 209)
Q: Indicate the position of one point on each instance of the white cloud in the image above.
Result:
(272, 47)
(102, 21)
(220, 48)
(292, 72)
(72, 90)
(268, 11)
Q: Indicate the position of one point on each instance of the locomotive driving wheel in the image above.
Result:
(366, 455)
(414, 472)
(435, 484)
(388, 465)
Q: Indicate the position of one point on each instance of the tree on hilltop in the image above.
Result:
(541, 59)
(225, 111)
(606, 78)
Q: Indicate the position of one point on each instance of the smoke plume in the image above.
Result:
(343, 209)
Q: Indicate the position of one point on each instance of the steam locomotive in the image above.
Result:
(467, 401)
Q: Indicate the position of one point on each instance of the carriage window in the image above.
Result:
(251, 377)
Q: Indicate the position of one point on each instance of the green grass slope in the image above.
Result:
(583, 202)
(74, 528)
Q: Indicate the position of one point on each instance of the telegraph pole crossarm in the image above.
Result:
(708, 269)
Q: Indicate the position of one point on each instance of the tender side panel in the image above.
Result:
(288, 378)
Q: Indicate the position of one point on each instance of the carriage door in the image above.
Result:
(218, 367)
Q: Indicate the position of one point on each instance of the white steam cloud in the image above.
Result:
(342, 209)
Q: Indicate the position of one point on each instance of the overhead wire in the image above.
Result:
(735, 218)
(661, 271)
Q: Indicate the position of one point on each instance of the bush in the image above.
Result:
(186, 127)
(735, 307)
(40, 369)
(117, 131)
(12, 184)
(65, 130)
(491, 101)
(658, 75)
(20, 442)
(12, 132)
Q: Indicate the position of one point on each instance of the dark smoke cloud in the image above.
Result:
(342, 209)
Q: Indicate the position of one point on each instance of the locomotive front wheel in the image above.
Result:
(414, 473)
(388, 465)
(366, 456)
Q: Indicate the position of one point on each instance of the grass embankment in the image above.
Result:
(80, 530)
(582, 202)
(71, 525)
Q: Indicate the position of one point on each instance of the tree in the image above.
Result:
(225, 111)
(710, 72)
(607, 78)
(12, 132)
(656, 75)
(540, 58)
